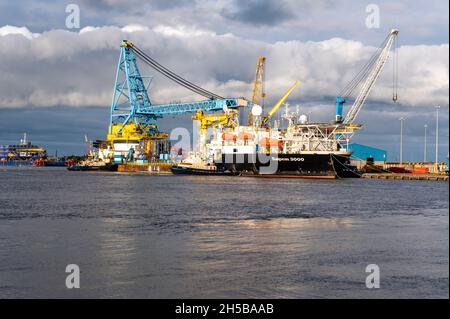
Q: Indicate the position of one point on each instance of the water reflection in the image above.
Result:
(174, 237)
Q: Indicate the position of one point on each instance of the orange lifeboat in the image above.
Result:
(229, 137)
(270, 142)
(420, 170)
(246, 136)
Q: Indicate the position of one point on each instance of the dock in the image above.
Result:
(405, 176)
(148, 168)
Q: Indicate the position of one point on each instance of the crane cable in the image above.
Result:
(173, 76)
(364, 72)
(395, 71)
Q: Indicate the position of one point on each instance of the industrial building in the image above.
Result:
(363, 154)
(367, 153)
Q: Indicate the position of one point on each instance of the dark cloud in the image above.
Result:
(135, 6)
(260, 12)
(59, 129)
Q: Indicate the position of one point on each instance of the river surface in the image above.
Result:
(136, 236)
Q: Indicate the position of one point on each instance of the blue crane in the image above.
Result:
(131, 102)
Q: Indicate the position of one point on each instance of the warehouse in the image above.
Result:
(363, 154)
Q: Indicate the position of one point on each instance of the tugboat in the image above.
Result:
(92, 166)
(195, 166)
(92, 163)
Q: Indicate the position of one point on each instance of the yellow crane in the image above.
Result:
(258, 86)
(279, 103)
(227, 119)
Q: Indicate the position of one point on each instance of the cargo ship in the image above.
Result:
(302, 150)
(308, 166)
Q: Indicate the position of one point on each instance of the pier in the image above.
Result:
(409, 177)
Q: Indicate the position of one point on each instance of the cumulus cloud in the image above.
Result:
(181, 31)
(77, 68)
(421, 22)
(12, 30)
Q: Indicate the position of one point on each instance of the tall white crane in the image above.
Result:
(367, 77)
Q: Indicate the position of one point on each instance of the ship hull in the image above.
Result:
(55, 163)
(85, 168)
(16, 163)
(182, 170)
(322, 166)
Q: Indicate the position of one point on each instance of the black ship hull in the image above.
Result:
(87, 168)
(183, 170)
(289, 165)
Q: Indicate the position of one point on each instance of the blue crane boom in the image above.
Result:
(190, 107)
(131, 102)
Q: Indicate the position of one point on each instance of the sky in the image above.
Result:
(56, 82)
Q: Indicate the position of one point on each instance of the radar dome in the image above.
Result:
(256, 110)
(303, 119)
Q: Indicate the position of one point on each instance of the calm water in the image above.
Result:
(198, 237)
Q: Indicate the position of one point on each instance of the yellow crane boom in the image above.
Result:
(227, 119)
(277, 106)
(258, 86)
